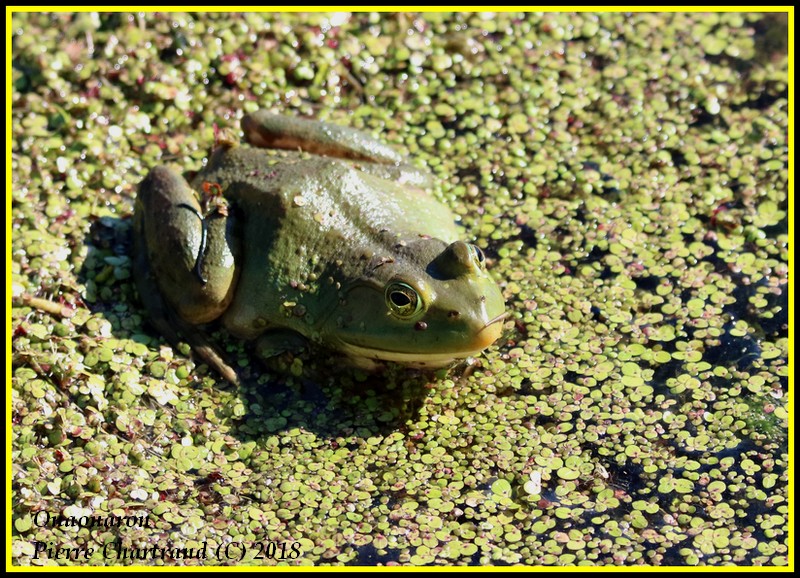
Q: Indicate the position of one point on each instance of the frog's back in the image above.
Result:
(322, 195)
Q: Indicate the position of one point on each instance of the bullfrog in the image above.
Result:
(335, 240)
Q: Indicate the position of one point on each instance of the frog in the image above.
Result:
(316, 233)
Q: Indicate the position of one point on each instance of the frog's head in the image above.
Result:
(425, 305)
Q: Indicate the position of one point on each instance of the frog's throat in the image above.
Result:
(432, 360)
(488, 334)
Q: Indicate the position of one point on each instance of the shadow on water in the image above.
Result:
(328, 398)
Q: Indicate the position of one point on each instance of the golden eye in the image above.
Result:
(403, 300)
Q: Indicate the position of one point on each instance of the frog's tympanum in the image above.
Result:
(337, 243)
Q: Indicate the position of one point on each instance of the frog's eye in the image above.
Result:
(477, 254)
(403, 300)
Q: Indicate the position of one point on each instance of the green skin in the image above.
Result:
(341, 247)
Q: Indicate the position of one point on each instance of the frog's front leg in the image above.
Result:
(185, 258)
(274, 342)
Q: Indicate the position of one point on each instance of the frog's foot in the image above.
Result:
(278, 341)
(202, 347)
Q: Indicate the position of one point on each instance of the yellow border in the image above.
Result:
(10, 10)
(312, 8)
(790, 389)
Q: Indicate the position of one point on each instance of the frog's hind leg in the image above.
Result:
(184, 262)
(267, 130)
(191, 256)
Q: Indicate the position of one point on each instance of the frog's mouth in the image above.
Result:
(485, 336)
